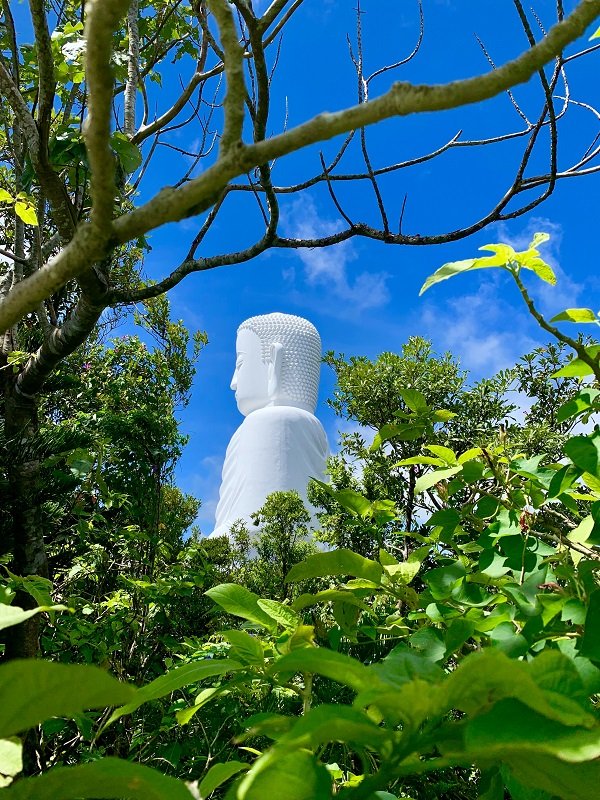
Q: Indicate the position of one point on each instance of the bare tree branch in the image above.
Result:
(102, 19)
(236, 159)
(234, 71)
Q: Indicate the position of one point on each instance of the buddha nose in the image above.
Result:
(233, 384)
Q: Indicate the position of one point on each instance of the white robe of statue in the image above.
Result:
(280, 444)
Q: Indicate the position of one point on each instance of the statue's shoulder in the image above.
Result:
(273, 416)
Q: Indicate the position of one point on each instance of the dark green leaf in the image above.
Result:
(218, 774)
(33, 691)
(173, 680)
(240, 602)
(106, 779)
(584, 452)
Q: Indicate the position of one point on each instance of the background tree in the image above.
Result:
(76, 153)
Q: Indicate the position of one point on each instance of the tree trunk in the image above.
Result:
(22, 641)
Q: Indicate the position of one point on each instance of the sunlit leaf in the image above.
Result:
(575, 315)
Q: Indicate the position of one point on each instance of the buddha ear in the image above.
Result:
(274, 370)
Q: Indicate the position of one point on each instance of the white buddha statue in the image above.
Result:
(280, 444)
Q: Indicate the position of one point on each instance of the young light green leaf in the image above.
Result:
(445, 453)
(336, 562)
(5, 197)
(575, 315)
(184, 715)
(576, 368)
(538, 239)
(531, 260)
(12, 615)
(436, 462)
(105, 779)
(32, 691)
(595, 35)
(583, 401)
(457, 267)
(431, 478)
(26, 212)
(504, 251)
(218, 774)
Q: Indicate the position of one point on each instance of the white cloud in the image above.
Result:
(328, 267)
(205, 484)
(483, 331)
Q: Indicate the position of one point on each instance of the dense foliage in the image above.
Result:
(454, 653)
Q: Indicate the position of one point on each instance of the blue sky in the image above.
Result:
(362, 295)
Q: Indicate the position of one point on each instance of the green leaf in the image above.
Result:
(175, 679)
(106, 779)
(26, 212)
(415, 400)
(576, 368)
(429, 460)
(294, 776)
(442, 580)
(282, 614)
(431, 478)
(575, 315)
(247, 648)
(595, 35)
(32, 691)
(445, 453)
(5, 197)
(353, 502)
(12, 615)
(584, 452)
(513, 725)
(218, 774)
(446, 517)
(335, 562)
(457, 267)
(336, 666)
(129, 154)
(556, 777)
(328, 596)
(484, 678)
(406, 432)
(532, 261)
(184, 715)
(584, 401)
(240, 602)
(589, 645)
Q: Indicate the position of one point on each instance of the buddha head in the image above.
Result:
(278, 358)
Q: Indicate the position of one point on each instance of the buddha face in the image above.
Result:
(250, 380)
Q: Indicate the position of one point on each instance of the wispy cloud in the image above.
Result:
(328, 268)
(484, 331)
